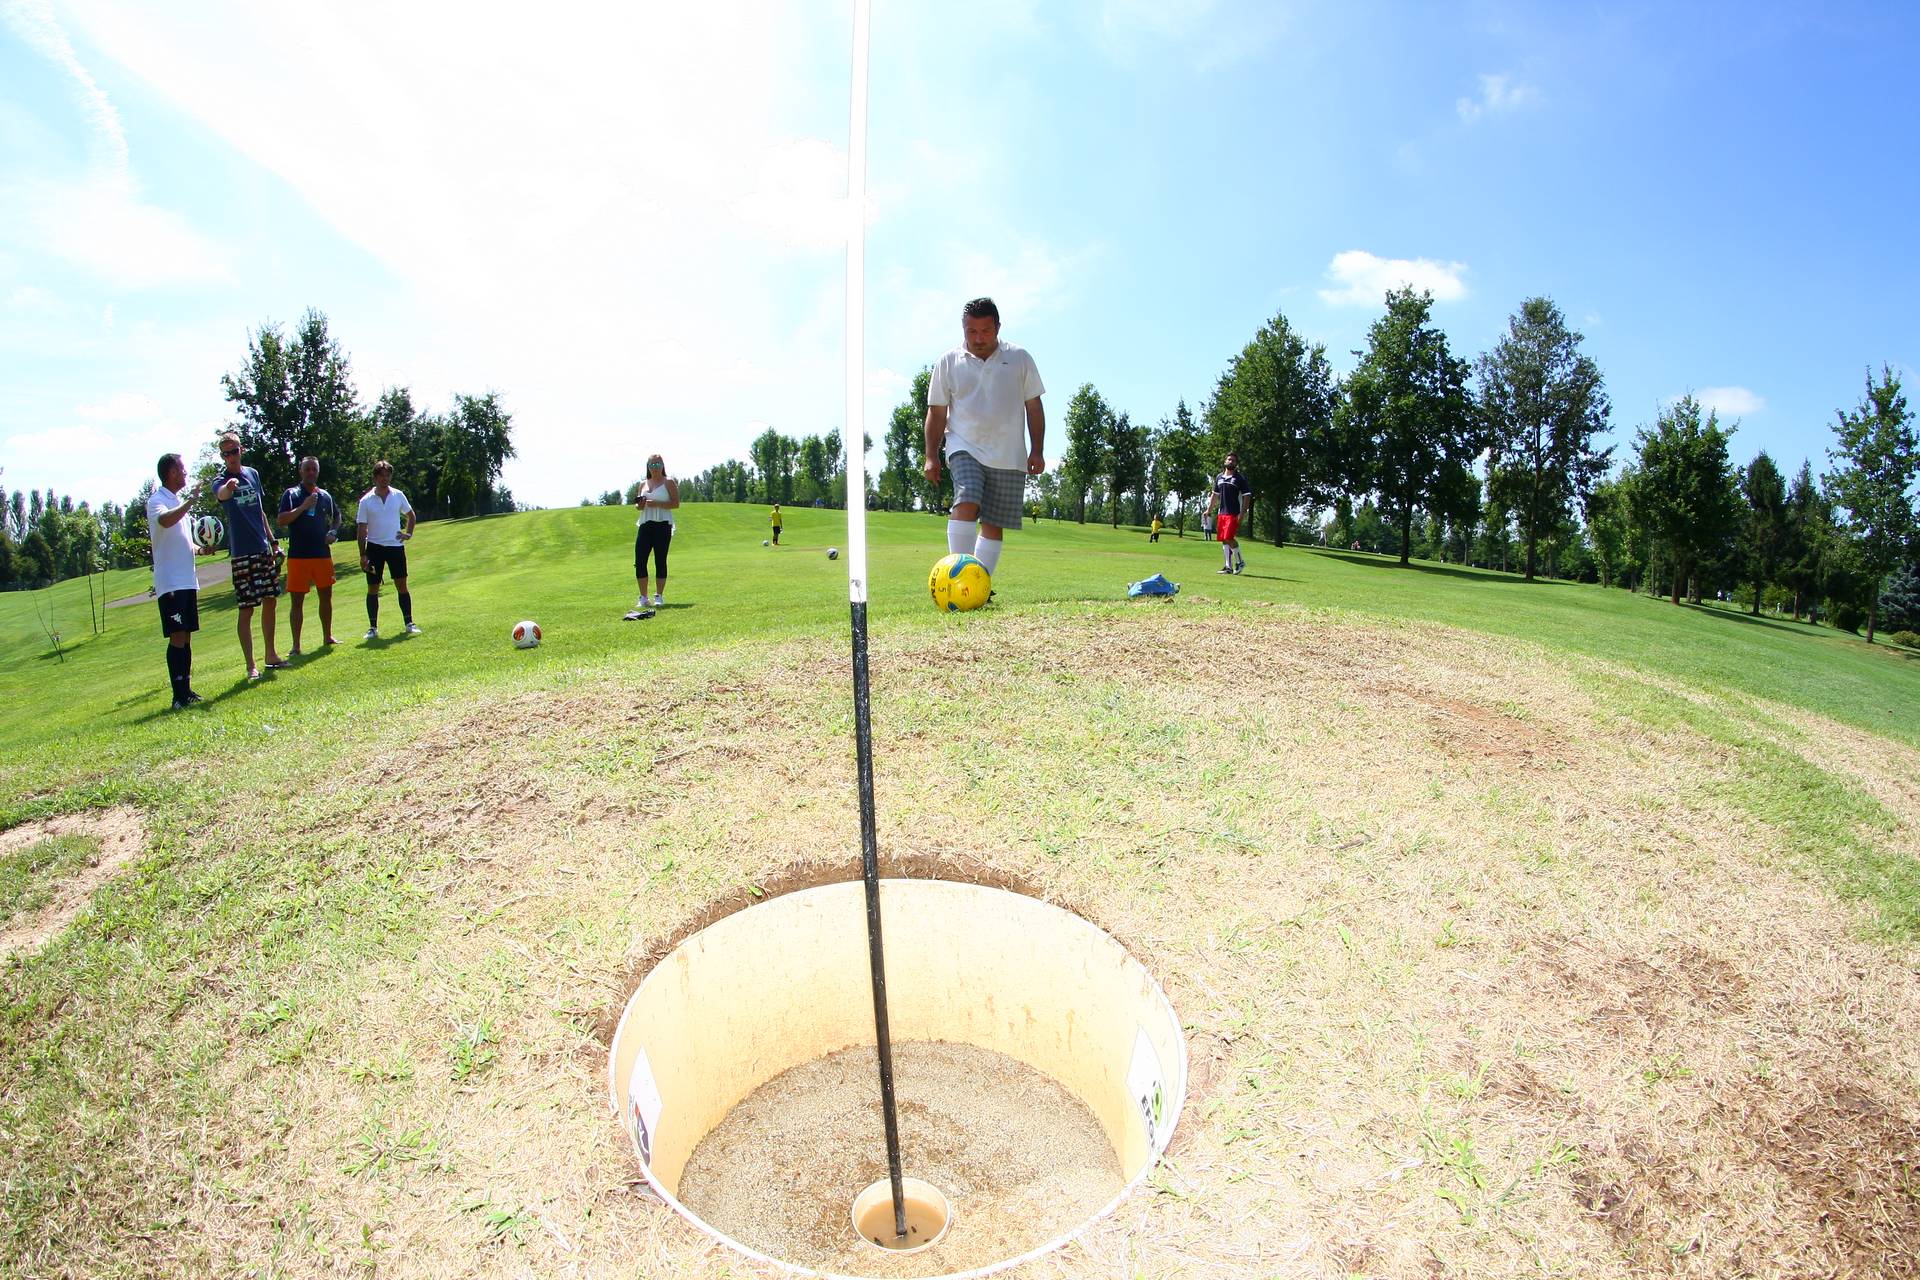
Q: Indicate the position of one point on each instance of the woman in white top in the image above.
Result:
(659, 495)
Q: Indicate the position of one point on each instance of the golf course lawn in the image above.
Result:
(1517, 929)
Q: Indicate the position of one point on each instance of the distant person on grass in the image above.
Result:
(255, 551)
(653, 534)
(383, 525)
(1153, 535)
(1231, 503)
(983, 407)
(175, 584)
(773, 518)
(311, 518)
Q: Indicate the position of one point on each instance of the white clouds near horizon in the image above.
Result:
(1728, 402)
(1362, 279)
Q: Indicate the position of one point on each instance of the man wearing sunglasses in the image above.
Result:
(255, 552)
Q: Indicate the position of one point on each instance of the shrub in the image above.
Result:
(1911, 639)
(1849, 617)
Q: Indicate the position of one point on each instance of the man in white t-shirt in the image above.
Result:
(983, 406)
(175, 583)
(384, 522)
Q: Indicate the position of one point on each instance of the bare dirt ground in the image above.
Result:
(122, 835)
(1480, 979)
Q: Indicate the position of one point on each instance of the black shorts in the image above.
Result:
(381, 558)
(179, 611)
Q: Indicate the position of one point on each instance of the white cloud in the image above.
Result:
(1728, 402)
(126, 406)
(99, 221)
(1362, 279)
(1498, 94)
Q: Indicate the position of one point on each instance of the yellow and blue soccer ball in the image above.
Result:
(959, 582)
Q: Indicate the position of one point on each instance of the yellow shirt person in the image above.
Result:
(773, 518)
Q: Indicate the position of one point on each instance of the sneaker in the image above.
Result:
(181, 704)
(1223, 569)
(373, 633)
(637, 615)
(413, 628)
(193, 697)
(659, 600)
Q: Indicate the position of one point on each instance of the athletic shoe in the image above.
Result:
(413, 628)
(659, 600)
(373, 633)
(181, 704)
(1223, 569)
(194, 697)
(637, 615)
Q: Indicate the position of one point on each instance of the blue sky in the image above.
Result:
(628, 223)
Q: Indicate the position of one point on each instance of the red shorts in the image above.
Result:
(1226, 527)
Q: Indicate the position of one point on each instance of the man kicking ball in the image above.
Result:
(983, 405)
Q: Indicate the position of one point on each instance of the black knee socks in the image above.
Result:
(179, 667)
(373, 611)
(406, 608)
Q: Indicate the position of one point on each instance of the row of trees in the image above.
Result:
(292, 396)
(47, 537)
(810, 470)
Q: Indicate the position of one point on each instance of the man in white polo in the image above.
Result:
(383, 523)
(983, 406)
(176, 585)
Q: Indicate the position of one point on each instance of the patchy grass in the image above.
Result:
(1497, 956)
(28, 875)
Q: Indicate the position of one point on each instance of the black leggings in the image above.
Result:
(652, 536)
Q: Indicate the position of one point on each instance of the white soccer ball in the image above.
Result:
(833, 553)
(526, 635)
(208, 531)
(765, 543)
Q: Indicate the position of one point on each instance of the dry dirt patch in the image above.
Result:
(121, 833)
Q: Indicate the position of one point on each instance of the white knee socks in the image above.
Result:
(987, 552)
(960, 538)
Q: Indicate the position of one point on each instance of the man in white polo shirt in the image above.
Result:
(983, 405)
(175, 583)
(384, 522)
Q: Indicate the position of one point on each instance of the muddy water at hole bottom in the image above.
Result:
(1021, 1160)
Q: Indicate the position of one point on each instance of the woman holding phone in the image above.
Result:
(653, 533)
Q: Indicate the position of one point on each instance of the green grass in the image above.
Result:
(259, 892)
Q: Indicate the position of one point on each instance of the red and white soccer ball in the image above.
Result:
(526, 635)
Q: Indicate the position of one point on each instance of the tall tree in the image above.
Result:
(1609, 519)
(1274, 407)
(294, 397)
(1408, 400)
(1877, 461)
(1126, 459)
(905, 442)
(1764, 536)
(1183, 469)
(1686, 490)
(1088, 420)
(1544, 402)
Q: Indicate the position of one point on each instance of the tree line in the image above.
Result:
(1495, 462)
(293, 395)
(807, 470)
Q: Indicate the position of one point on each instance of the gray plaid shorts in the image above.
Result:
(1000, 494)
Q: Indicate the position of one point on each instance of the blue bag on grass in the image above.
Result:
(1157, 585)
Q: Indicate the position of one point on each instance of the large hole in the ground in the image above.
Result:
(1039, 1071)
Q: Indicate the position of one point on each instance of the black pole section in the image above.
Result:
(870, 871)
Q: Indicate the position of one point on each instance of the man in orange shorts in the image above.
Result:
(312, 520)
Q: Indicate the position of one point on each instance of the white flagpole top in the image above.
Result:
(856, 433)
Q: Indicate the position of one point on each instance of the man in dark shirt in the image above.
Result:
(311, 518)
(255, 552)
(1233, 501)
